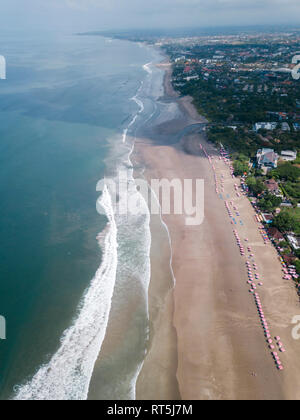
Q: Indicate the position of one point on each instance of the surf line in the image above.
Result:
(2, 328)
(149, 71)
(68, 374)
(168, 232)
(141, 106)
(135, 98)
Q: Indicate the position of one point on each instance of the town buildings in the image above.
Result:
(267, 158)
(288, 155)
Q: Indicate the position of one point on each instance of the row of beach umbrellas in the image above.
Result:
(254, 280)
(273, 344)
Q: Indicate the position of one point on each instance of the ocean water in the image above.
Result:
(75, 302)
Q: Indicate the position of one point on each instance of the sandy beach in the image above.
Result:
(207, 341)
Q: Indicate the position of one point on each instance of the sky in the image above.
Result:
(84, 15)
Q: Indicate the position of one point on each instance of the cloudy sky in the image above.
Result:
(81, 15)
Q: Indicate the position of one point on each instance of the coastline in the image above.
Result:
(220, 350)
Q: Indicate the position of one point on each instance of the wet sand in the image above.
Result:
(206, 337)
(158, 376)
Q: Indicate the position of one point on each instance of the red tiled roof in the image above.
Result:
(272, 185)
(274, 232)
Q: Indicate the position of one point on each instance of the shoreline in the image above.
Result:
(221, 351)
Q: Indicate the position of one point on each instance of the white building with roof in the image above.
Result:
(267, 158)
(270, 126)
(294, 241)
(285, 126)
(288, 155)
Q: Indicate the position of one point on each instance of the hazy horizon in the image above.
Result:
(88, 15)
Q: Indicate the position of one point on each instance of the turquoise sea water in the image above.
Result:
(63, 111)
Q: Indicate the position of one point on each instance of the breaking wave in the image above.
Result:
(67, 376)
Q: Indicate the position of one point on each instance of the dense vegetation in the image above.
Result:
(233, 99)
(287, 221)
(269, 202)
(226, 105)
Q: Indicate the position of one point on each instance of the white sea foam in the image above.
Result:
(125, 132)
(135, 117)
(67, 376)
(146, 275)
(139, 102)
(140, 225)
(137, 224)
(147, 68)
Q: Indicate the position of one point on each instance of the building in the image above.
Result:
(288, 155)
(294, 241)
(270, 126)
(285, 127)
(267, 217)
(189, 78)
(267, 158)
(275, 234)
(296, 126)
(272, 186)
(180, 59)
